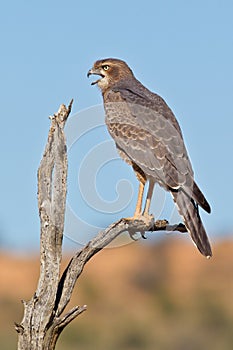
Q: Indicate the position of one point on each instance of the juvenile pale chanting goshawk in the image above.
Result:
(148, 137)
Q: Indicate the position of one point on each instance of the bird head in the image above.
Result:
(110, 70)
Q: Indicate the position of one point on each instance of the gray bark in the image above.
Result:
(44, 318)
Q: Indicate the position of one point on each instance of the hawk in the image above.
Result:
(149, 138)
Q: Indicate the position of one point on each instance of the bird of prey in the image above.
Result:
(149, 138)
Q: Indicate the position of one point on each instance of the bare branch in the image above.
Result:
(60, 323)
(52, 175)
(43, 319)
(104, 237)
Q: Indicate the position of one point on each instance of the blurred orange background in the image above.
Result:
(161, 296)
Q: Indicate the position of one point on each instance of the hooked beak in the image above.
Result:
(94, 71)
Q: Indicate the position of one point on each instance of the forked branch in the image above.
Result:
(43, 319)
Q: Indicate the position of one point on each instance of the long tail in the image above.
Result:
(188, 209)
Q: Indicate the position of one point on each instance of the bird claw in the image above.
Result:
(141, 220)
(143, 235)
(132, 233)
(145, 218)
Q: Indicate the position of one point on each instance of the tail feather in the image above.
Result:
(195, 192)
(188, 209)
(200, 198)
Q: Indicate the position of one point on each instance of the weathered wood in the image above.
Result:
(52, 175)
(43, 319)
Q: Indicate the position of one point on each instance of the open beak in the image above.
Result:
(94, 71)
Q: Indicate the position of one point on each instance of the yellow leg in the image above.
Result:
(148, 198)
(138, 210)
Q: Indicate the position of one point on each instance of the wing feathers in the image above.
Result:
(147, 132)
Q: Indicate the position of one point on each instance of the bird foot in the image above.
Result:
(146, 218)
(141, 221)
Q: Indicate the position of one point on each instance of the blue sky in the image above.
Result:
(183, 50)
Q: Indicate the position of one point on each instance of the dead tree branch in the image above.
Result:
(43, 319)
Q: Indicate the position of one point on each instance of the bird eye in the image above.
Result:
(105, 67)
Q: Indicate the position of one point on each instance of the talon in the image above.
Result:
(143, 235)
(146, 218)
(131, 234)
(138, 217)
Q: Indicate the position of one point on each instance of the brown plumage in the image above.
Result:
(148, 137)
